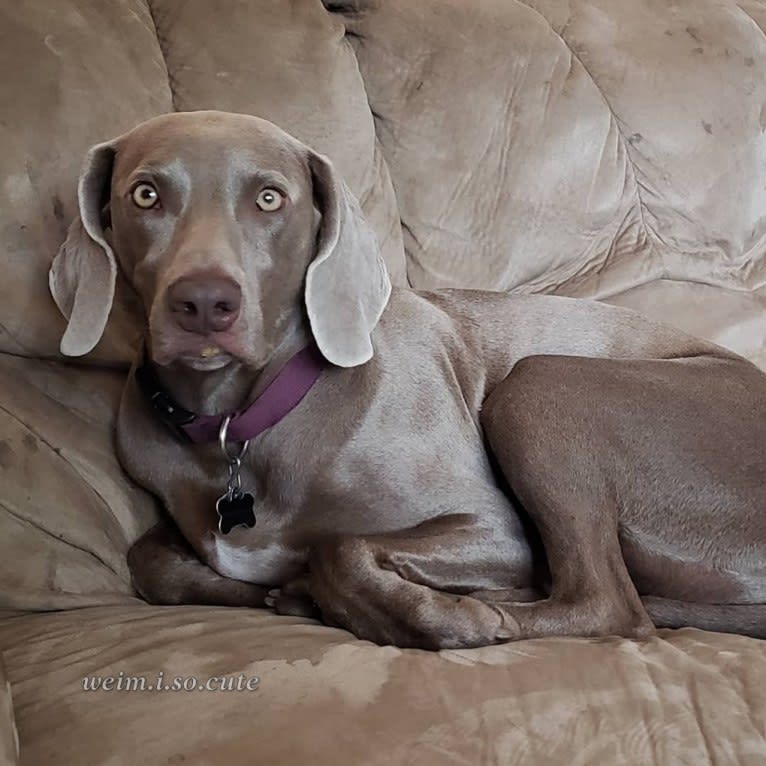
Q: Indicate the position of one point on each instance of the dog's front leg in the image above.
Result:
(393, 588)
(165, 570)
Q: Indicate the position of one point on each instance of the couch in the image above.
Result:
(606, 149)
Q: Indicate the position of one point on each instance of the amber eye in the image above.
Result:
(269, 200)
(145, 196)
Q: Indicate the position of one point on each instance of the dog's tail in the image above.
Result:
(745, 619)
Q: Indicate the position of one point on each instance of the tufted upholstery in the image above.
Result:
(613, 149)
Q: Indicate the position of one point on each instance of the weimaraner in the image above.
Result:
(429, 469)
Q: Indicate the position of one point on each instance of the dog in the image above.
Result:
(426, 469)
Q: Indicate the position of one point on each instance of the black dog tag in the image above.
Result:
(235, 510)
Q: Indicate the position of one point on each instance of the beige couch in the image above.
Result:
(613, 149)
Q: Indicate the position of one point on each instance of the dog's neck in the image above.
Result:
(231, 388)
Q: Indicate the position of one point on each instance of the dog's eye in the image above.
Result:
(145, 196)
(269, 200)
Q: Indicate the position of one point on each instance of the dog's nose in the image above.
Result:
(203, 304)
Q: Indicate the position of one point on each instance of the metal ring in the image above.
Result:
(222, 438)
(234, 483)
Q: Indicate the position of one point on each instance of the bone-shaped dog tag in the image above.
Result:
(235, 509)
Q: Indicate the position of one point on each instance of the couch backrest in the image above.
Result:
(600, 148)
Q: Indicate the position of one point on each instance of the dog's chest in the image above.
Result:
(361, 471)
(269, 552)
(252, 558)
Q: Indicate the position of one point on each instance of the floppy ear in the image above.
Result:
(347, 285)
(83, 273)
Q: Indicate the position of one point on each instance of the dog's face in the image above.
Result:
(232, 233)
(213, 223)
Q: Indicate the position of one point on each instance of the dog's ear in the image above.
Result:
(347, 285)
(83, 273)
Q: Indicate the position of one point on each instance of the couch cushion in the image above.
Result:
(92, 71)
(76, 73)
(583, 147)
(67, 512)
(326, 698)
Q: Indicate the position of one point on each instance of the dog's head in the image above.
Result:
(233, 234)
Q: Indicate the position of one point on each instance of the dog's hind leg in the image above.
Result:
(545, 443)
(746, 619)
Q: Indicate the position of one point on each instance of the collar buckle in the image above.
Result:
(173, 416)
(169, 412)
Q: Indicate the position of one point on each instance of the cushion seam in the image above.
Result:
(161, 44)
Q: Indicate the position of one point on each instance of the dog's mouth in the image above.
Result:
(200, 357)
(215, 359)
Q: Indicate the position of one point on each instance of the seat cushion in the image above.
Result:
(324, 697)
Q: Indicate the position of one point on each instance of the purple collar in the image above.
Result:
(279, 398)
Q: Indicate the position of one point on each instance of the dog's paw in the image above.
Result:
(293, 599)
